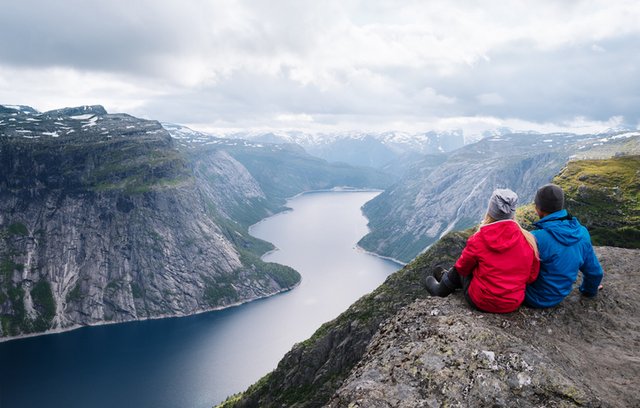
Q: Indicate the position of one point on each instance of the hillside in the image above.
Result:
(597, 186)
(439, 196)
(399, 347)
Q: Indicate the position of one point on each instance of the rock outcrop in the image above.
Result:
(397, 347)
(437, 352)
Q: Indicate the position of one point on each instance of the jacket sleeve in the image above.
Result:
(535, 269)
(468, 260)
(591, 272)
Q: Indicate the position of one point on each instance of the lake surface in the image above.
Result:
(197, 361)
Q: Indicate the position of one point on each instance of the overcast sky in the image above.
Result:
(330, 65)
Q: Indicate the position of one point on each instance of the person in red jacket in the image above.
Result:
(500, 259)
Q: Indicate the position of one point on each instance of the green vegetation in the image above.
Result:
(136, 290)
(44, 303)
(238, 233)
(74, 294)
(285, 277)
(407, 245)
(287, 171)
(526, 216)
(6, 269)
(220, 291)
(18, 228)
(605, 196)
(132, 165)
(15, 323)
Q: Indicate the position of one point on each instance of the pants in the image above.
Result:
(454, 280)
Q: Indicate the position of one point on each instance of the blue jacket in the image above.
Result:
(565, 247)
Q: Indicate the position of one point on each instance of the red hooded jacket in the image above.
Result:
(502, 263)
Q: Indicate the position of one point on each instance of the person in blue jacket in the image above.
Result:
(565, 248)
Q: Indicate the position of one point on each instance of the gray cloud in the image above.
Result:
(126, 37)
(246, 62)
(554, 85)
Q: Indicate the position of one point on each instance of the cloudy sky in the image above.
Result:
(330, 65)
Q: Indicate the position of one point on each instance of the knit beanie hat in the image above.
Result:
(502, 204)
(549, 198)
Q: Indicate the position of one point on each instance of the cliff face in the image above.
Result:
(108, 218)
(281, 170)
(443, 195)
(103, 219)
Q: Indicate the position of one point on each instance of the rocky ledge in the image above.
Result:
(438, 352)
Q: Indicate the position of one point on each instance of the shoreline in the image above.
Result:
(340, 189)
(387, 258)
(159, 317)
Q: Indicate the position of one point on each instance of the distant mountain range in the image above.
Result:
(392, 152)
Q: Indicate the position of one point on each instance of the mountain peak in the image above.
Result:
(18, 108)
(79, 110)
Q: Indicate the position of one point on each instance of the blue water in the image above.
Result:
(198, 361)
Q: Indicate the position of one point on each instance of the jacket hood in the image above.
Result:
(500, 235)
(565, 230)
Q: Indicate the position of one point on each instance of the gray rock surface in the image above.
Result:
(437, 352)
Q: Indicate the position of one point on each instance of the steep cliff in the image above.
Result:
(104, 219)
(108, 218)
(440, 196)
(399, 347)
(436, 352)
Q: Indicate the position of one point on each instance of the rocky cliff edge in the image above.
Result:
(438, 352)
(397, 347)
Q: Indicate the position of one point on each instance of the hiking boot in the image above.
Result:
(438, 272)
(438, 288)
